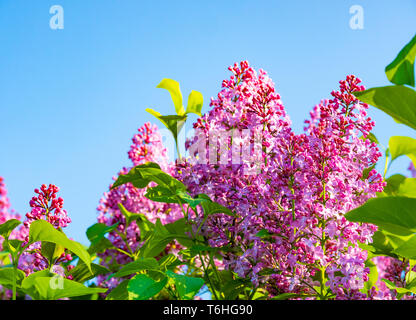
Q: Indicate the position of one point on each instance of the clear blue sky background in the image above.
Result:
(71, 99)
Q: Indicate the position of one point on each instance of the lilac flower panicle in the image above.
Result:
(305, 185)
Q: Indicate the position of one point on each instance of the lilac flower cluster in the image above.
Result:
(304, 186)
(46, 206)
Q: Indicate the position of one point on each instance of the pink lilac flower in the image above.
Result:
(46, 206)
(6, 214)
(147, 146)
(304, 185)
(5, 211)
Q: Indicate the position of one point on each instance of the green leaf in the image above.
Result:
(162, 194)
(393, 184)
(263, 233)
(41, 230)
(57, 287)
(185, 197)
(411, 286)
(394, 214)
(162, 178)
(98, 231)
(81, 273)
(200, 248)
(7, 275)
(140, 176)
(195, 102)
(210, 207)
(234, 287)
(400, 146)
(7, 227)
(173, 122)
(51, 251)
(145, 226)
(169, 262)
(187, 287)
(401, 70)
(180, 228)
(28, 283)
(157, 241)
(175, 92)
(397, 101)
(392, 286)
(407, 249)
(142, 287)
(172, 195)
(5, 257)
(136, 266)
(384, 244)
(120, 292)
(12, 246)
(134, 177)
(373, 275)
(408, 188)
(130, 217)
(411, 276)
(100, 246)
(399, 185)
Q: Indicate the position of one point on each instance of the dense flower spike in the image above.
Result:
(147, 146)
(305, 183)
(46, 206)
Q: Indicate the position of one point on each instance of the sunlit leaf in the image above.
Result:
(400, 146)
(136, 266)
(7, 227)
(195, 102)
(397, 101)
(142, 287)
(187, 287)
(8, 274)
(175, 92)
(394, 214)
(134, 177)
(41, 230)
(402, 69)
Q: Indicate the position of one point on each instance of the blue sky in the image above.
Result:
(71, 99)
